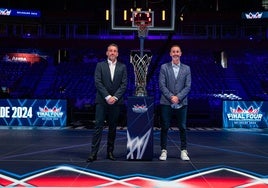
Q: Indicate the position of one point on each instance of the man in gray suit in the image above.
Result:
(111, 84)
(174, 84)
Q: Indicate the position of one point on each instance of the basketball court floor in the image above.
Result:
(57, 158)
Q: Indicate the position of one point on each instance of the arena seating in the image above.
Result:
(73, 79)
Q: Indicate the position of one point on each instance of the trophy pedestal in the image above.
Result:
(140, 128)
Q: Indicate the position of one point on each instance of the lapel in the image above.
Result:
(171, 72)
(180, 72)
(116, 71)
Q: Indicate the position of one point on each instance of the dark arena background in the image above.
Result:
(48, 54)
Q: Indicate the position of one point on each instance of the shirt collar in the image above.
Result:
(176, 65)
(110, 62)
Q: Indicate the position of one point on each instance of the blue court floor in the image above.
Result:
(57, 158)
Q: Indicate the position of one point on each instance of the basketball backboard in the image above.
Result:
(161, 13)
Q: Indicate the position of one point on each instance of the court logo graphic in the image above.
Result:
(73, 176)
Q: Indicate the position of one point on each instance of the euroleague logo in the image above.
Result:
(50, 113)
(256, 15)
(5, 12)
(139, 108)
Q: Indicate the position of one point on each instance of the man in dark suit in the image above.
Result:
(111, 83)
(174, 84)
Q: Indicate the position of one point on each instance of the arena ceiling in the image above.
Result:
(76, 5)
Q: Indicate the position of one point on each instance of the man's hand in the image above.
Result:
(174, 99)
(111, 100)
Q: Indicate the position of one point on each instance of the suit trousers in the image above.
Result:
(180, 114)
(110, 113)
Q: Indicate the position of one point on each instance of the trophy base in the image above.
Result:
(140, 92)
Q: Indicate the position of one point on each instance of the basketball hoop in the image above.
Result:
(142, 28)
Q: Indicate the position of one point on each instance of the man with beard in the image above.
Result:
(111, 83)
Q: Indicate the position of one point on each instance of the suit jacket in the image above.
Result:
(104, 84)
(169, 85)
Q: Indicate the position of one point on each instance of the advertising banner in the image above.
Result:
(19, 12)
(245, 114)
(254, 15)
(22, 57)
(33, 112)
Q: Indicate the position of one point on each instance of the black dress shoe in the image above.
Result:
(110, 156)
(92, 158)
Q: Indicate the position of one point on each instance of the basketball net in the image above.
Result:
(140, 61)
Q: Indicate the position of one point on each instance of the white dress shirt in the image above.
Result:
(112, 68)
(176, 69)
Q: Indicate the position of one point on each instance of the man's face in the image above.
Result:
(175, 53)
(112, 53)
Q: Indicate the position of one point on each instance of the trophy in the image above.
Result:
(140, 65)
